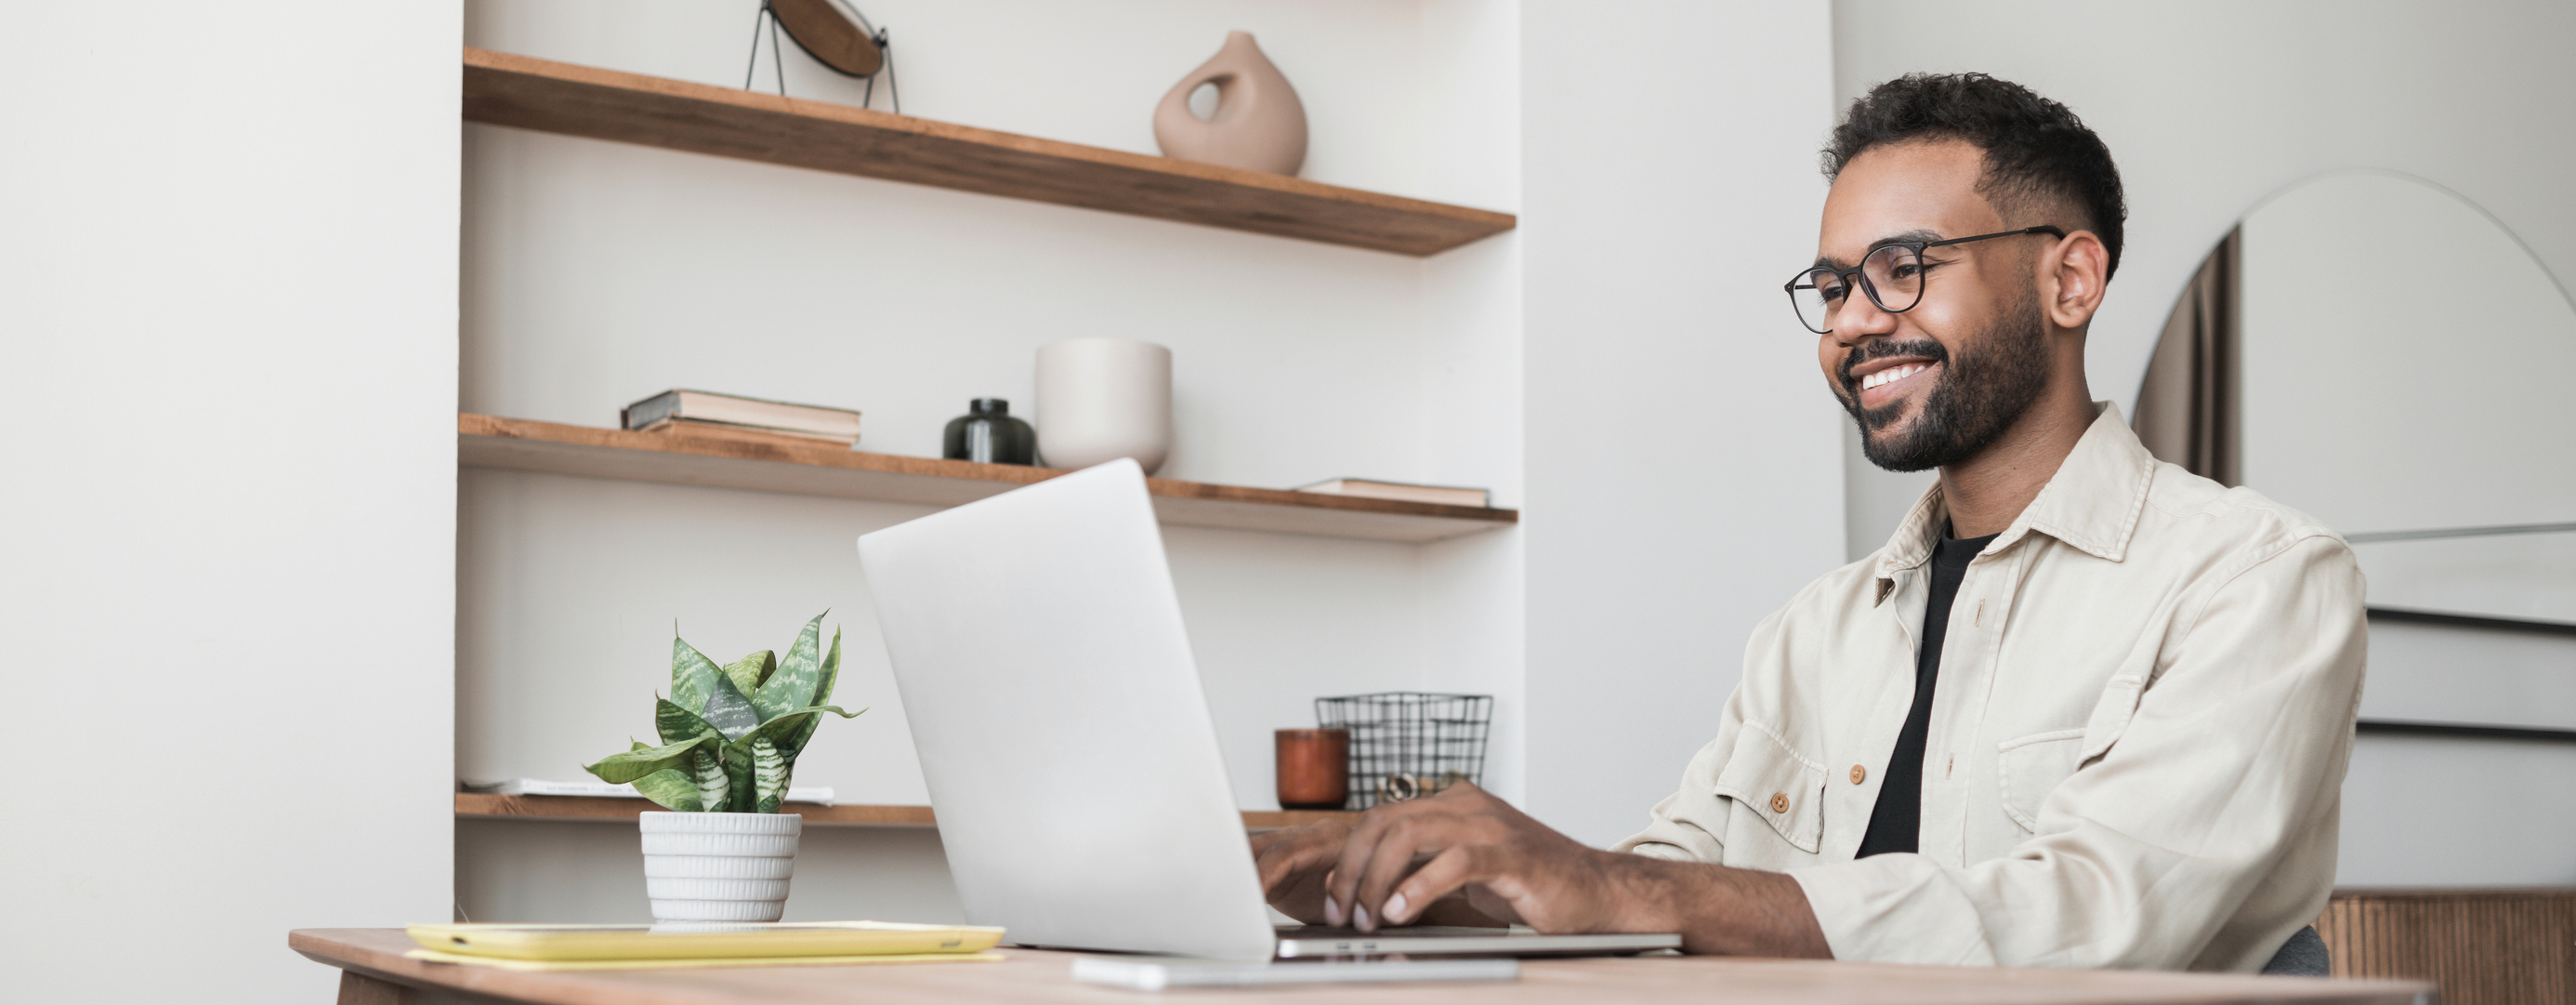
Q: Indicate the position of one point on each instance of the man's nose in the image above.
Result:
(1860, 320)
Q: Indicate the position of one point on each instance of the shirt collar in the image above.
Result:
(2092, 503)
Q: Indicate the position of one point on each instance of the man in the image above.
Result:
(2084, 709)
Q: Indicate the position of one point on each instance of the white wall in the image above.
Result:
(597, 273)
(1474, 597)
(227, 311)
(2209, 108)
(2439, 811)
(587, 871)
(1683, 476)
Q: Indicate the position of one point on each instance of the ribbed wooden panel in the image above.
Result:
(2484, 946)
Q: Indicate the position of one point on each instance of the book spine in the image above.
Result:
(650, 410)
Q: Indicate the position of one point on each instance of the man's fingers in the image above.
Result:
(1293, 865)
(1446, 873)
(1296, 851)
(1393, 857)
(1352, 867)
(1341, 890)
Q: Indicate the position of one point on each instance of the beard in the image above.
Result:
(1983, 391)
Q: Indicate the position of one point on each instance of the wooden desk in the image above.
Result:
(376, 973)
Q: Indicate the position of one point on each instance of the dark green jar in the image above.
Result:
(988, 434)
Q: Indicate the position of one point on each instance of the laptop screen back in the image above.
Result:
(1038, 648)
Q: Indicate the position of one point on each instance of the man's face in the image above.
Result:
(1938, 383)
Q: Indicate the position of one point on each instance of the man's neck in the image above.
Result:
(1985, 493)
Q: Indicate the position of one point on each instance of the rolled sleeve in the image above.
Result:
(1690, 825)
(1685, 825)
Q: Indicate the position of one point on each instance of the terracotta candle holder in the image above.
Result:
(1314, 768)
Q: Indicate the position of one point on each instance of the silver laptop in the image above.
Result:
(1081, 795)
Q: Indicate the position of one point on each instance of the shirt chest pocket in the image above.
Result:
(2031, 767)
(1787, 791)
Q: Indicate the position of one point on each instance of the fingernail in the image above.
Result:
(1360, 914)
(1332, 913)
(1395, 908)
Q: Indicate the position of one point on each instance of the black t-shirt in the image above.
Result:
(1896, 823)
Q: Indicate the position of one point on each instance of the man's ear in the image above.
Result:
(2077, 267)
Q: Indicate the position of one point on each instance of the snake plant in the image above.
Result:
(730, 734)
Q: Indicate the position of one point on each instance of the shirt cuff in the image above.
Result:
(1897, 908)
(1655, 849)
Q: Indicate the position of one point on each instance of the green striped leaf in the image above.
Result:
(693, 675)
(715, 791)
(748, 672)
(769, 776)
(792, 686)
(740, 762)
(729, 711)
(741, 795)
(618, 769)
(829, 675)
(676, 724)
(792, 742)
(673, 789)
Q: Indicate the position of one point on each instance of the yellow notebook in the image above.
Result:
(504, 963)
(781, 942)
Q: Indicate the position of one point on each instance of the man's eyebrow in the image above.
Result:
(1906, 237)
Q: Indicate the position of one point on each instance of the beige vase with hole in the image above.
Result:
(1259, 125)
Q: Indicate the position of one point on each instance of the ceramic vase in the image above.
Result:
(1100, 399)
(987, 434)
(1259, 124)
(719, 866)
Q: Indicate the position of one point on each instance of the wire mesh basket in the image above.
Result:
(1409, 744)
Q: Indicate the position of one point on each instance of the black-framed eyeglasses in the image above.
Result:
(1892, 276)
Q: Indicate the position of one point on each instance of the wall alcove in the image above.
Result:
(2355, 348)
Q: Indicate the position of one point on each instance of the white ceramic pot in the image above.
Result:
(1100, 399)
(719, 866)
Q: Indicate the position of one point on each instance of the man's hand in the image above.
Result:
(1294, 863)
(1405, 858)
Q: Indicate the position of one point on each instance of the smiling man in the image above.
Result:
(2084, 709)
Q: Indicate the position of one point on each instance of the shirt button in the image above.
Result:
(1859, 774)
(1779, 802)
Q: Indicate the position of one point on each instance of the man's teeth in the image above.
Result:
(1892, 375)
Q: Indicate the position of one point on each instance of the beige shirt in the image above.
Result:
(2138, 734)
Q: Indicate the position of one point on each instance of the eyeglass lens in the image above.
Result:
(1892, 275)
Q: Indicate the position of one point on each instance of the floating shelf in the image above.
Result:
(484, 441)
(507, 90)
(482, 804)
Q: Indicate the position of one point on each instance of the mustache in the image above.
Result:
(1882, 349)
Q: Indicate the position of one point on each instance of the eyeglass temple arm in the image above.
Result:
(2041, 229)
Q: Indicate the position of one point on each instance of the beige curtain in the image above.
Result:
(2188, 407)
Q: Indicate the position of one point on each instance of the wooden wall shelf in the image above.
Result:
(529, 93)
(485, 441)
(482, 804)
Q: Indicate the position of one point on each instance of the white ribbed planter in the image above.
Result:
(719, 866)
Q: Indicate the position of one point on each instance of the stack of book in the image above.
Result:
(682, 412)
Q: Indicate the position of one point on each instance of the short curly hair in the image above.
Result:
(2036, 150)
